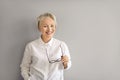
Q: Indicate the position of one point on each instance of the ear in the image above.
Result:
(39, 28)
(55, 26)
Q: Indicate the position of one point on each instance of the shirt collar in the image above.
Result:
(46, 44)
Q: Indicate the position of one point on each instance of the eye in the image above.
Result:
(52, 26)
(44, 26)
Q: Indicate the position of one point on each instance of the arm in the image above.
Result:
(66, 59)
(25, 65)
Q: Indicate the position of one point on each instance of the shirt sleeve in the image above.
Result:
(66, 52)
(25, 65)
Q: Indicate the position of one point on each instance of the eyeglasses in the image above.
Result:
(53, 61)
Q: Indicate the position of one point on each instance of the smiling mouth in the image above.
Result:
(49, 33)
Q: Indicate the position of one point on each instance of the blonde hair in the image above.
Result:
(42, 16)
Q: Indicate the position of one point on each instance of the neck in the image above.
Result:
(45, 39)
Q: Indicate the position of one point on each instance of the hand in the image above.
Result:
(65, 60)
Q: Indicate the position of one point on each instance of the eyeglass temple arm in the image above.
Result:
(61, 49)
(47, 55)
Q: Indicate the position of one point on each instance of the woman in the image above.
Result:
(45, 58)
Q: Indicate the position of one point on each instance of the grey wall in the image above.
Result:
(90, 28)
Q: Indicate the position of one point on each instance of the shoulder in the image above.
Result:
(32, 43)
(57, 41)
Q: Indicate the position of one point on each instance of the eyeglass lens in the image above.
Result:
(53, 61)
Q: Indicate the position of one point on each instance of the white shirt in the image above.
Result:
(35, 64)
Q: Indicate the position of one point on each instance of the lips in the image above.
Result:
(49, 33)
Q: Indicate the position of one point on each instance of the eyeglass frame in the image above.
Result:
(53, 61)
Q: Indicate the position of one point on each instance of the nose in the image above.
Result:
(49, 28)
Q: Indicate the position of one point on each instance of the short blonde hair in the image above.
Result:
(42, 16)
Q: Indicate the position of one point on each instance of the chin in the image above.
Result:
(49, 36)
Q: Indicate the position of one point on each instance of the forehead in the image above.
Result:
(47, 20)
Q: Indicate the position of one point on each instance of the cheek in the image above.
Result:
(42, 30)
(54, 29)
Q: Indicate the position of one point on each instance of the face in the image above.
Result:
(47, 27)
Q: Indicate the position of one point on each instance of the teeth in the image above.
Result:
(49, 33)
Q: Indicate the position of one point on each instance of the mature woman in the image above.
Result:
(46, 57)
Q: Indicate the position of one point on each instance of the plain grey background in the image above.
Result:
(91, 29)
